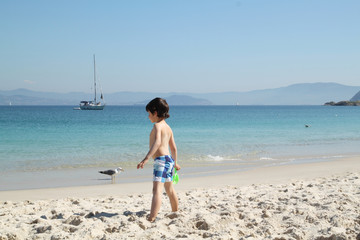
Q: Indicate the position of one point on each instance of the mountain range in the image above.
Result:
(296, 94)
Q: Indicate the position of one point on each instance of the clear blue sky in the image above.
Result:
(178, 45)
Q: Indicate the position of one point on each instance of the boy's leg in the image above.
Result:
(170, 191)
(156, 200)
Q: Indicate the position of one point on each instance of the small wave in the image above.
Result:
(312, 159)
(215, 158)
(222, 159)
(267, 159)
(335, 156)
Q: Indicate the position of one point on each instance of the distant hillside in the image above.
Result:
(356, 97)
(186, 100)
(181, 100)
(297, 94)
(27, 97)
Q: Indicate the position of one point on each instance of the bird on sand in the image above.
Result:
(112, 172)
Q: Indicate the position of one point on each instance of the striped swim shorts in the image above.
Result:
(163, 169)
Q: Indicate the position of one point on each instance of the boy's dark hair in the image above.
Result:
(160, 106)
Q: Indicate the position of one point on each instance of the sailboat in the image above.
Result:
(93, 105)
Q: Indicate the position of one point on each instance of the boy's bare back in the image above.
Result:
(161, 132)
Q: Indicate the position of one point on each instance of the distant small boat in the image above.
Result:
(93, 105)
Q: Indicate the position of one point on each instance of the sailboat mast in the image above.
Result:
(94, 79)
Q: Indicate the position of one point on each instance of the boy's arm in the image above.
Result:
(153, 148)
(173, 150)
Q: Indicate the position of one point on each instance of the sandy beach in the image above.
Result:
(304, 201)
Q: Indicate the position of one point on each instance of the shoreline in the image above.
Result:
(262, 175)
(81, 177)
(299, 201)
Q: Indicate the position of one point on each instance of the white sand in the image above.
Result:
(308, 201)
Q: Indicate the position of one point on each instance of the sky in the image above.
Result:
(192, 46)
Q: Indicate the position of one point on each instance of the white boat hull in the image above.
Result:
(92, 107)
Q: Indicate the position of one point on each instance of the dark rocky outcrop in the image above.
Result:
(343, 103)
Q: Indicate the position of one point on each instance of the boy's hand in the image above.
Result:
(142, 163)
(177, 167)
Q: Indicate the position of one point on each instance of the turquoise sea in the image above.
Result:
(50, 146)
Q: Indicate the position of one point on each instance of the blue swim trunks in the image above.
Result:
(163, 169)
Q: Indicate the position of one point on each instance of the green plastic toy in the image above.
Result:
(175, 177)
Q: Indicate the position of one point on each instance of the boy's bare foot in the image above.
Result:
(150, 219)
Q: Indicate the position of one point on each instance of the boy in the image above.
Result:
(161, 139)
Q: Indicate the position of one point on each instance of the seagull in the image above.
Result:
(112, 172)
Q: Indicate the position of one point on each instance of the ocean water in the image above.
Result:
(39, 139)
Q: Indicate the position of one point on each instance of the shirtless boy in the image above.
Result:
(161, 140)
